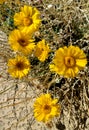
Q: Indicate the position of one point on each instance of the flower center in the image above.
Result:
(47, 109)
(22, 42)
(69, 61)
(27, 21)
(20, 66)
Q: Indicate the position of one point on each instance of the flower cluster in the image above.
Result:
(67, 61)
(21, 40)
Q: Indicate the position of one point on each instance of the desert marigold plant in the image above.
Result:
(68, 61)
(18, 67)
(21, 41)
(42, 50)
(28, 17)
(45, 108)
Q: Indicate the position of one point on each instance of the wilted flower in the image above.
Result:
(42, 50)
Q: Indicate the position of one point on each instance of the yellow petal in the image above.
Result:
(81, 62)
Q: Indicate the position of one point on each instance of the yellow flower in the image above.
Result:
(45, 108)
(1, 1)
(42, 50)
(18, 67)
(21, 41)
(28, 18)
(68, 61)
